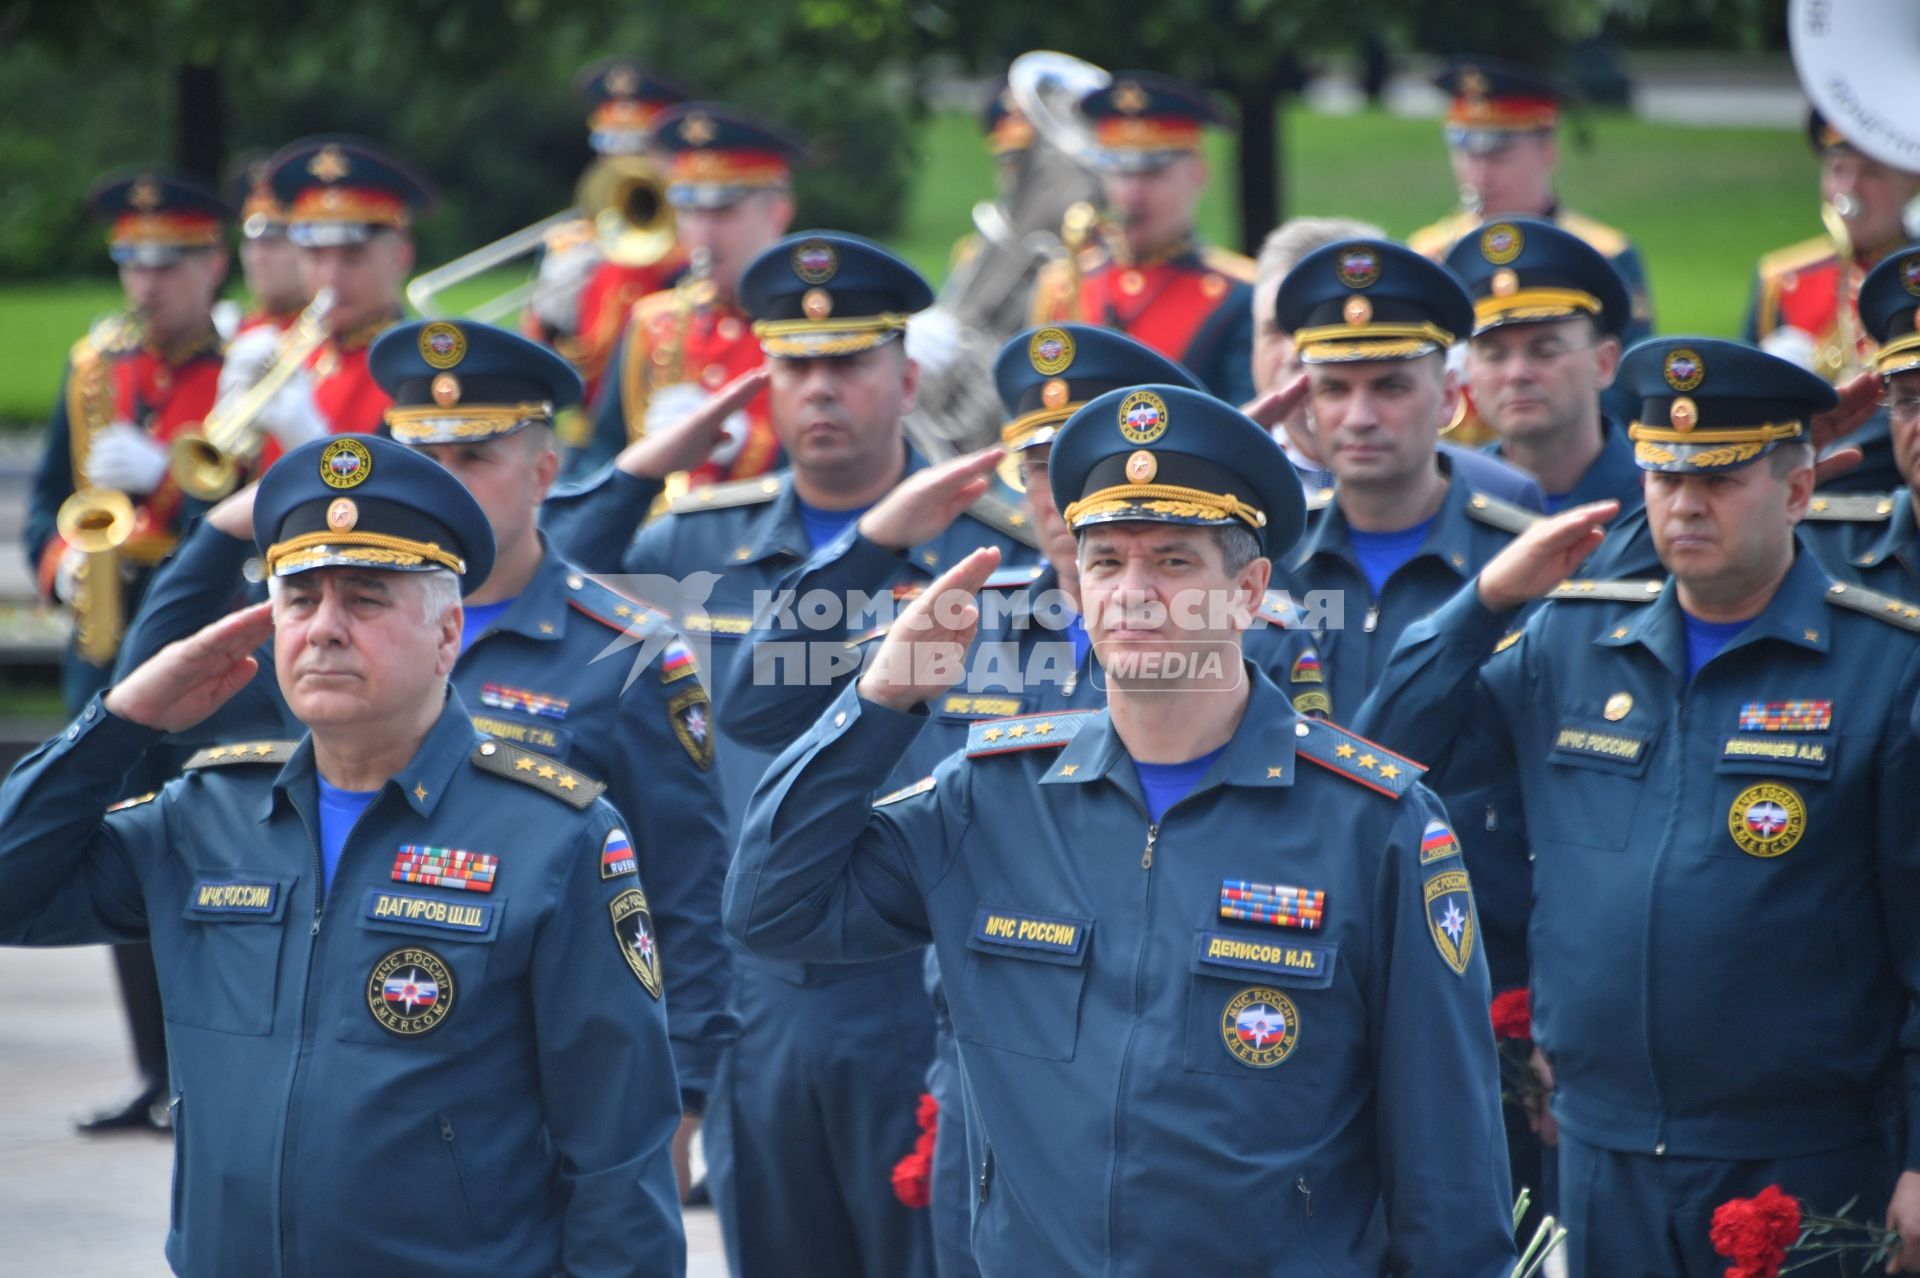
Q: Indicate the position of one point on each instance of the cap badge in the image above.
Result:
(697, 129)
(1504, 283)
(1141, 467)
(1054, 393)
(1685, 414)
(1050, 351)
(345, 463)
(446, 390)
(1129, 98)
(1684, 369)
(329, 164)
(1357, 311)
(1143, 417)
(1501, 243)
(145, 195)
(817, 303)
(815, 261)
(342, 514)
(1473, 83)
(623, 82)
(442, 345)
(1358, 267)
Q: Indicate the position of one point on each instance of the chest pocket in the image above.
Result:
(1593, 772)
(225, 973)
(1248, 999)
(418, 967)
(1024, 976)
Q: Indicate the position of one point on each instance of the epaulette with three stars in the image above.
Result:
(221, 756)
(537, 770)
(738, 492)
(1352, 756)
(1893, 611)
(1853, 508)
(594, 598)
(1609, 591)
(1025, 732)
(1503, 515)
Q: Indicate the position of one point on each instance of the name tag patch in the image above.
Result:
(981, 707)
(445, 867)
(716, 623)
(1047, 932)
(231, 897)
(1274, 905)
(1786, 716)
(541, 704)
(530, 735)
(454, 916)
(1311, 963)
(1600, 745)
(616, 856)
(1777, 750)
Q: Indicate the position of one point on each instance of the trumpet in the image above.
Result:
(207, 463)
(623, 200)
(97, 522)
(1842, 361)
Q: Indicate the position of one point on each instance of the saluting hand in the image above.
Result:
(689, 442)
(186, 681)
(1544, 555)
(1272, 408)
(925, 650)
(1858, 400)
(928, 500)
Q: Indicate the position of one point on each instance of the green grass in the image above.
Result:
(1702, 204)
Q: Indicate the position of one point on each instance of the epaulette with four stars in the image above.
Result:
(1893, 611)
(738, 492)
(537, 770)
(594, 598)
(1004, 517)
(1856, 508)
(1352, 756)
(1503, 515)
(1611, 591)
(220, 756)
(1026, 732)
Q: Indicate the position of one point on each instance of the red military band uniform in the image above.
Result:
(670, 341)
(343, 389)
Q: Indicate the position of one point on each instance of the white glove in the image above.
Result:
(125, 458)
(247, 359)
(668, 406)
(66, 574)
(226, 318)
(562, 277)
(733, 438)
(934, 341)
(291, 416)
(1795, 345)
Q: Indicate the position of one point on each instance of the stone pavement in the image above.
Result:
(97, 1208)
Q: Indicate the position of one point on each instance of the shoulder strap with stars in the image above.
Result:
(1893, 611)
(1025, 732)
(1857, 508)
(1352, 756)
(1277, 609)
(222, 756)
(1003, 516)
(592, 597)
(1503, 515)
(1611, 591)
(738, 492)
(537, 770)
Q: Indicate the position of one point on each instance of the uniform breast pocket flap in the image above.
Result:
(419, 971)
(1247, 1001)
(1025, 972)
(226, 970)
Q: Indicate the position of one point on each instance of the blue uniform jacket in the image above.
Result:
(1154, 1088)
(384, 1077)
(551, 676)
(1724, 943)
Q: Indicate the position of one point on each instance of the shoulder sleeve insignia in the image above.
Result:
(592, 597)
(134, 802)
(1611, 591)
(1357, 759)
(691, 714)
(220, 756)
(1005, 518)
(1897, 612)
(1503, 515)
(1606, 239)
(537, 770)
(739, 492)
(1025, 732)
(1850, 507)
(921, 786)
(1235, 266)
(633, 930)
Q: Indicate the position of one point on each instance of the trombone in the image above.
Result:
(622, 198)
(207, 463)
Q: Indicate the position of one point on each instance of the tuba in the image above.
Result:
(207, 463)
(987, 295)
(623, 201)
(95, 521)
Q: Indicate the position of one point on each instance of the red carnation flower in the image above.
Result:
(1755, 1232)
(913, 1175)
(1513, 1015)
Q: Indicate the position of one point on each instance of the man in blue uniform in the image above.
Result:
(1717, 791)
(1549, 313)
(551, 660)
(402, 963)
(816, 1102)
(1150, 928)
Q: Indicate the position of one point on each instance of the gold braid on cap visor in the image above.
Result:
(376, 550)
(437, 425)
(824, 338)
(1171, 500)
(1022, 427)
(1901, 355)
(1535, 304)
(1764, 433)
(1333, 342)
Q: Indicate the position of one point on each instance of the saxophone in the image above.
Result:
(95, 521)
